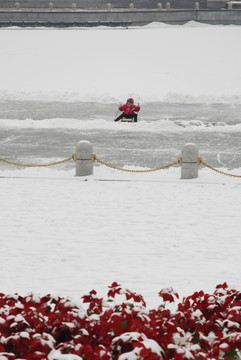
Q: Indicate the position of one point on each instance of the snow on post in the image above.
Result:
(17, 5)
(84, 163)
(189, 167)
(197, 5)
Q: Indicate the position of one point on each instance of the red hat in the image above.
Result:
(130, 100)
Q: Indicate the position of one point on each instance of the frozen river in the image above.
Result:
(42, 131)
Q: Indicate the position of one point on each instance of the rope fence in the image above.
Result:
(38, 165)
(134, 171)
(84, 159)
(218, 171)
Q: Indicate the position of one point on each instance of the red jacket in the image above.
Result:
(130, 111)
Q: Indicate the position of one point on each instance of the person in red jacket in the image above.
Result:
(129, 110)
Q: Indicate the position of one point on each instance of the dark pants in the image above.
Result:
(127, 116)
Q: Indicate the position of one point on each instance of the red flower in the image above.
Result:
(205, 326)
(168, 294)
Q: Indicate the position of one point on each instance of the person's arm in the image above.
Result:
(122, 107)
(137, 108)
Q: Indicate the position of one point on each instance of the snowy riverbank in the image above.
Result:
(61, 234)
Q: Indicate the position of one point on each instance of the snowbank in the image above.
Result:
(163, 61)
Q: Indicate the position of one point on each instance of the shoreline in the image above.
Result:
(115, 17)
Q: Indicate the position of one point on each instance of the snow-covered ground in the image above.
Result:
(65, 235)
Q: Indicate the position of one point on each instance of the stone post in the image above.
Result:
(168, 6)
(73, 6)
(159, 6)
(17, 5)
(84, 163)
(189, 167)
(51, 6)
(197, 5)
(108, 6)
(132, 5)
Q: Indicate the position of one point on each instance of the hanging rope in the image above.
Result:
(134, 171)
(218, 171)
(38, 165)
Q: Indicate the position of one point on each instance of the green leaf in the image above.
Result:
(67, 350)
(124, 324)
(195, 339)
(232, 354)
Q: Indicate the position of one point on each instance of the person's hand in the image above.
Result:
(138, 104)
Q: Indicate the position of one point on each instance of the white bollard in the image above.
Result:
(197, 5)
(159, 5)
(168, 6)
(51, 6)
(74, 6)
(230, 5)
(132, 5)
(17, 5)
(108, 6)
(84, 163)
(189, 167)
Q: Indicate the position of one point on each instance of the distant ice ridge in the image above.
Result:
(103, 124)
(152, 25)
(106, 98)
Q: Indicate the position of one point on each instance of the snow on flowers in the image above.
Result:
(121, 327)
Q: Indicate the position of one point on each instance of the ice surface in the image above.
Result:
(150, 63)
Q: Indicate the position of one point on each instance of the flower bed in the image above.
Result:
(202, 326)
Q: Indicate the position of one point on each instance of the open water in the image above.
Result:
(39, 132)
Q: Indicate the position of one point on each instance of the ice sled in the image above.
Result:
(127, 120)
